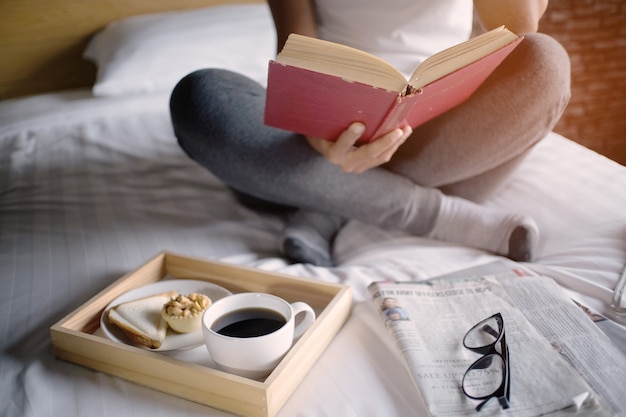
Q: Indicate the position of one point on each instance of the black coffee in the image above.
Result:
(249, 322)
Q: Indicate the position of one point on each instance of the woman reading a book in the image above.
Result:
(428, 181)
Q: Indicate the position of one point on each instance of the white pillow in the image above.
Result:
(151, 53)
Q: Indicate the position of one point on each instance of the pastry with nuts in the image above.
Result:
(183, 313)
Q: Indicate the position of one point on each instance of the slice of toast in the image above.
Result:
(141, 319)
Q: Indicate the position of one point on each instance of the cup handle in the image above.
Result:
(300, 307)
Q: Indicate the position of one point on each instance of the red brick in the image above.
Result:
(594, 34)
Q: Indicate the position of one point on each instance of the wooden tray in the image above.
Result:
(74, 340)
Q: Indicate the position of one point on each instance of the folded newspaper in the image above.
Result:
(428, 321)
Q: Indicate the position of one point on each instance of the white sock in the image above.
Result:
(462, 221)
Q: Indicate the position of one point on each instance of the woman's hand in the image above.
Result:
(351, 158)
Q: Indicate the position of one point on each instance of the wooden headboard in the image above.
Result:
(41, 41)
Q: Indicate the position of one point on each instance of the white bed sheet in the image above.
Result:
(92, 188)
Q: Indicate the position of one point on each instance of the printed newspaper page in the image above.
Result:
(584, 343)
(428, 322)
(568, 327)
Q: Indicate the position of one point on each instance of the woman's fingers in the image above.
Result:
(351, 158)
(380, 151)
(341, 151)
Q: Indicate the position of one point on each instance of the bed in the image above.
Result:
(93, 184)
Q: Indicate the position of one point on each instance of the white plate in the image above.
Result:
(173, 340)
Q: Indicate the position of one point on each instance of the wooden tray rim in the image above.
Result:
(73, 340)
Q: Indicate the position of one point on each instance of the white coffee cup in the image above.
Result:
(248, 334)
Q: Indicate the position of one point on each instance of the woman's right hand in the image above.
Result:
(357, 159)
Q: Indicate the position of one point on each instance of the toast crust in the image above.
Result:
(130, 323)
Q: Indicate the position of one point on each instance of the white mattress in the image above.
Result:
(92, 188)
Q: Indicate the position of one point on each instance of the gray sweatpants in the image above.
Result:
(470, 151)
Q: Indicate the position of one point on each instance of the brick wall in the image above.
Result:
(594, 34)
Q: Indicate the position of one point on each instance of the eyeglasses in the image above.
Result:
(489, 377)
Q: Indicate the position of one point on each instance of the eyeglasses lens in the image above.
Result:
(484, 377)
(484, 334)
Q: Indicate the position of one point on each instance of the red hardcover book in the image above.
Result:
(318, 88)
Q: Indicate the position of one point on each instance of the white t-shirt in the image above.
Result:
(402, 32)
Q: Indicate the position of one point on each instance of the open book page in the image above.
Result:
(429, 325)
(341, 61)
(461, 55)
